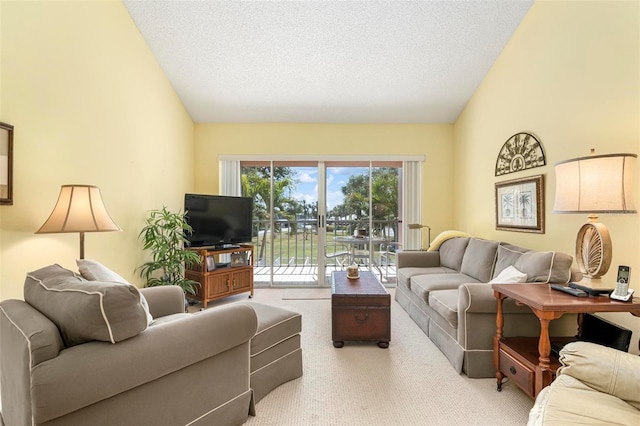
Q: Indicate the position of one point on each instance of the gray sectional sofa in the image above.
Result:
(447, 292)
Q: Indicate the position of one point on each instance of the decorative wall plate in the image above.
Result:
(521, 151)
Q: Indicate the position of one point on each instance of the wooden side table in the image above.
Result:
(515, 357)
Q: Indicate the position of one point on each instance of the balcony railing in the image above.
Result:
(295, 242)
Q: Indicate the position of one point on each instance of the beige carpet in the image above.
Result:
(306, 293)
(410, 383)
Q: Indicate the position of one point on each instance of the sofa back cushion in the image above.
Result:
(479, 259)
(507, 256)
(545, 266)
(452, 252)
(85, 310)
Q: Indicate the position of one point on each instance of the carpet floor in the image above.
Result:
(410, 383)
(306, 293)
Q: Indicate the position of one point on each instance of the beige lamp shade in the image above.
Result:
(79, 209)
(595, 184)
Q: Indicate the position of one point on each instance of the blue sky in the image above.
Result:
(337, 177)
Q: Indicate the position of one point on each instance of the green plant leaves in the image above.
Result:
(164, 236)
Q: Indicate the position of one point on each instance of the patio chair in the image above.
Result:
(339, 253)
(387, 257)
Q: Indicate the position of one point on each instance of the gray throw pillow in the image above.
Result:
(537, 265)
(452, 252)
(479, 259)
(95, 271)
(507, 256)
(84, 310)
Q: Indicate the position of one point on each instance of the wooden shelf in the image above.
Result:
(219, 282)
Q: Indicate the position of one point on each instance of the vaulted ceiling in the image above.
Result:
(326, 61)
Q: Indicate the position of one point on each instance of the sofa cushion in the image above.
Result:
(604, 369)
(85, 310)
(95, 271)
(545, 267)
(568, 401)
(510, 275)
(452, 252)
(445, 303)
(275, 325)
(479, 259)
(421, 285)
(507, 255)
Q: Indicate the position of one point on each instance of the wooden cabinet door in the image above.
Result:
(217, 285)
(241, 279)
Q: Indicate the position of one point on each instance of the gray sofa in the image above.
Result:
(594, 385)
(92, 359)
(447, 293)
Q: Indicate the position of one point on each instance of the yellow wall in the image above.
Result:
(571, 76)
(90, 105)
(434, 141)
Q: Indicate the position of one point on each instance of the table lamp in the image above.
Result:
(595, 184)
(79, 209)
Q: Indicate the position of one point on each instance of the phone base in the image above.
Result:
(624, 298)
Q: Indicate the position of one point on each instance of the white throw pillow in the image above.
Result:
(95, 271)
(509, 275)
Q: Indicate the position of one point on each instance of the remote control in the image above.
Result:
(570, 290)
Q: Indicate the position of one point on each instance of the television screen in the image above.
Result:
(217, 220)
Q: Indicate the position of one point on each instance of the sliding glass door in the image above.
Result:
(312, 218)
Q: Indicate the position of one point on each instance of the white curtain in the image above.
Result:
(230, 178)
(411, 203)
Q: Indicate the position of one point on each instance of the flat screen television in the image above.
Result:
(218, 220)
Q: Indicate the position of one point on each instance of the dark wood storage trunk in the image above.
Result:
(360, 309)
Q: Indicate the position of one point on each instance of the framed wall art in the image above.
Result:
(520, 205)
(521, 151)
(6, 164)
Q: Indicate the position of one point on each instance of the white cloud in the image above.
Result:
(305, 177)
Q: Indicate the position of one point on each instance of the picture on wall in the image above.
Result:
(6, 164)
(520, 205)
(521, 151)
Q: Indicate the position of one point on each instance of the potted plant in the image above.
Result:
(164, 235)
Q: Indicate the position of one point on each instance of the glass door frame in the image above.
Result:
(321, 164)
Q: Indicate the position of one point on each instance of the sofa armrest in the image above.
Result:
(164, 300)
(96, 371)
(480, 298)
(604, 369)
(417, 259)
(27, 338)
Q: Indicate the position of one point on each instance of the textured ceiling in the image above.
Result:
(326, 61)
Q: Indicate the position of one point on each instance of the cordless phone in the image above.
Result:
(622, 291)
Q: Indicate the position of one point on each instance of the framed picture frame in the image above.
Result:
(520, 205)
(211, 263)
(238, 259)
(6, 164)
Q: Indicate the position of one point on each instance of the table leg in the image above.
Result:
(544, 374)
(496, 340)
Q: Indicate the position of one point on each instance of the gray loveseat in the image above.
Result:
(92, 359)
(447, 293)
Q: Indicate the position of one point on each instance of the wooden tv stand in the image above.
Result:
(219, 281)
